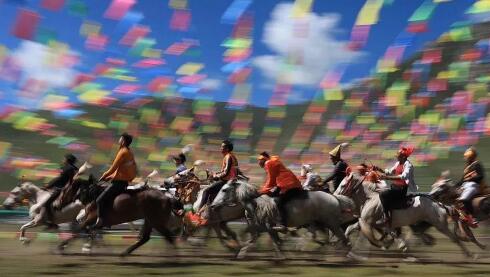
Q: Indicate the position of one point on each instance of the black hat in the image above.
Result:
(70, 158)
(181, 157)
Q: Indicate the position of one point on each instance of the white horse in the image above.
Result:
(36, 198)
(423, 209)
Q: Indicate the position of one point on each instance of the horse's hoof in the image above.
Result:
(411, 259)
(241, 254)
(124, 254)
(86, 248)
(25, 241)
(354, 257)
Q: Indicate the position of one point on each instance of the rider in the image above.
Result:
(473, 178)
(280, 178)
(310, 177)
(229, 171)
(402, 177)
(339, 171)
(68, 171)
(122, 171)
(179, 161)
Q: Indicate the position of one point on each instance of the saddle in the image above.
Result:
(406, 203)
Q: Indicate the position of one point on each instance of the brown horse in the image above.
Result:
(149, 204)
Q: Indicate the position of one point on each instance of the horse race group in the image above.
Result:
(365, 198)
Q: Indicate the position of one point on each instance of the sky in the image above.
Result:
(321, 38)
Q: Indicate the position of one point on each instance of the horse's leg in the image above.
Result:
(231, 234)
(31, 224)
(367, 231)
(276, 243)
(443, 228)
(90, 218)
(420, 229)
(144, 236)
(471, 236)
(219, 234)
(167, 234)
(250, 243)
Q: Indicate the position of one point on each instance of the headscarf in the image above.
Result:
(406, 151)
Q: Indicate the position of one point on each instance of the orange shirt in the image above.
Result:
(229, 168)
(123, 168)
(279, 176)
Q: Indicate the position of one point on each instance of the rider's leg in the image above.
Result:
(48, 209)
(106, 197)
(385, 198)
(470, 189)
(212, 189)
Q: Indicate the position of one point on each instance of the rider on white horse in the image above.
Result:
(339, 172)
(68, 171)
(229, 172)
(279, 178)
(402, 177)
(473, 178)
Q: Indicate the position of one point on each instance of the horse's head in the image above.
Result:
(20, 193)
(442, 186)
(226, 196)
(84, 188)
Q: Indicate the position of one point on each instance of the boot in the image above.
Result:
(99, 223)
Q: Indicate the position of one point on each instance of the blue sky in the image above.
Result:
(206, 27)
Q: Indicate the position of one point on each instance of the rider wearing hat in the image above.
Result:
(473, 178)
(339, 171)
(279, 178)
(68, 171)
(122, 171)
(402, 177)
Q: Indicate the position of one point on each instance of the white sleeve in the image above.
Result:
(392, 169)
(407, 170)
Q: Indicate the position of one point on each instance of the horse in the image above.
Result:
(36, 198)
(218, 217)
(424, 210)
(313, 208)
(152, 205)
(447, 193)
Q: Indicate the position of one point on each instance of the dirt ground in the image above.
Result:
(40, 258)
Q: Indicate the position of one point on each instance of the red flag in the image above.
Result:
(25, 24)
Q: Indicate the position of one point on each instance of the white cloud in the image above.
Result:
(45, 64)
(306, 48)
(211, 84)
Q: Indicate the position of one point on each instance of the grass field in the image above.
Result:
(157, 258)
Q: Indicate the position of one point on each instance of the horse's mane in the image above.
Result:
(266, 209)
(245, 191)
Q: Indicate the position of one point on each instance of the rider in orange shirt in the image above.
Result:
(280, 181)
(122, 171)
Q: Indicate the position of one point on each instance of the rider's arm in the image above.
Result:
(390, 170)
(226, 170)
(115, 165)
(477, 174)
(337, 170)
(272, 173)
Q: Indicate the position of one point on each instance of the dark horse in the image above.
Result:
(149, 204)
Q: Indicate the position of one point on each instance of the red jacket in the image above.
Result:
(279, 176)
